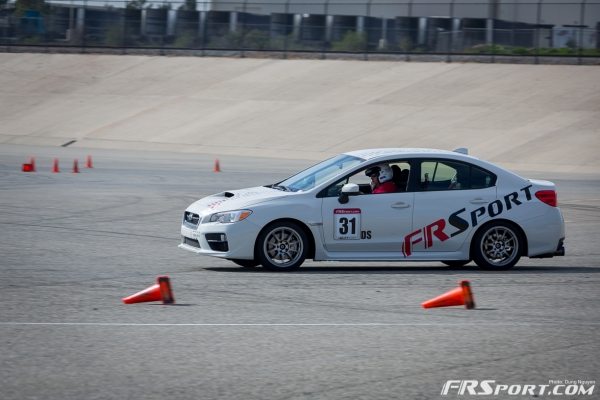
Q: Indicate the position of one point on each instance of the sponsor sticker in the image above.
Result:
(216, 204)
(347, 223)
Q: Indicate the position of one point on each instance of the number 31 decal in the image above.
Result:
(346, 223)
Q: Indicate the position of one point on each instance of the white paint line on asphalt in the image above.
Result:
(374, 324)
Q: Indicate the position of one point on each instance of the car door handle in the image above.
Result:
(400, 204)
(478, 200)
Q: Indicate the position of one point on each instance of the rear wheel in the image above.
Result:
(282, 246)
(245, 263)
(497, 246)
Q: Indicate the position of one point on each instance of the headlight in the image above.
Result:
(229, 216)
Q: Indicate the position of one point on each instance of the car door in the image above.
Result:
(448, 193)
(367, 222)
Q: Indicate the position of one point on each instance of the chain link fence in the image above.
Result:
(402, 28)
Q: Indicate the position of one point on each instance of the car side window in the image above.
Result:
(400, 169)
(451, 175)
(400, 174)
(333, 190)
(360, 178)
(481, 179)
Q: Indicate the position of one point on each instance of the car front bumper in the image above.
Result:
(235, 240)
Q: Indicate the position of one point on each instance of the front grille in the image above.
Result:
(190, 219)
(190, 242)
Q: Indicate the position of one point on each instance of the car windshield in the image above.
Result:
(319, 173)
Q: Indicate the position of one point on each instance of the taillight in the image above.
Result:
(548, 197)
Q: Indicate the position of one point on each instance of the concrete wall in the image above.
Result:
(536, 117)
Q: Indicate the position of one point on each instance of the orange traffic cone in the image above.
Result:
(75, 166)
(88, 162)
(28, 168)
(455, 297)
(161, 291)
(55, 168)
(217, 167)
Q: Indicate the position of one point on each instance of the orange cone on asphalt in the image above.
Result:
(88, 162)
(55, 168)
(27, 168)
(217, 167)
(30, 166)
(161, 291)
(462, 295)
(75, 166)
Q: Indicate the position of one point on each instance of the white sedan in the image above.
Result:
(439, 206)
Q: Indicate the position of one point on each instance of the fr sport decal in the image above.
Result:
(462, 221)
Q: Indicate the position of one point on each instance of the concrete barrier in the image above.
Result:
(532, 117)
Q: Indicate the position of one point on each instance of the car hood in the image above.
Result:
(235, 200)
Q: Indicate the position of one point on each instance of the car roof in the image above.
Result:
(369, 154)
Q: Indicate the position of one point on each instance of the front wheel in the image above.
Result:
(282, 246)
(497, 246)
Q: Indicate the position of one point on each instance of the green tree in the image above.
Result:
(136, 4)
(571, 44)
(189, 5)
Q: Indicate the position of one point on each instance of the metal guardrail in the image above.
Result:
(399, 28)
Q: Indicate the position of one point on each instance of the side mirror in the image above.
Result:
(349, 189)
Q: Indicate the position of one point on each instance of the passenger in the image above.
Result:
(381, 179)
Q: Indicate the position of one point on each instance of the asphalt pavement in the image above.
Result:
(72, 245)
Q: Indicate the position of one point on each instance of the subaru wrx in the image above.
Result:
(445, 206)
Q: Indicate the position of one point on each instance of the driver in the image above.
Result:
(381, 179)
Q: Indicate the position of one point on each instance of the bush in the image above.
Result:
(522, 51)
(33, 40)
(256, 40)
(352, 41)
(405, 44)
(231, 40)
(488, 49)
(114, 36)
(186, 40)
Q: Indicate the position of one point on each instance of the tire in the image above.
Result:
(497, 246)
(456, 263)
(245, 263)
(282, 247)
